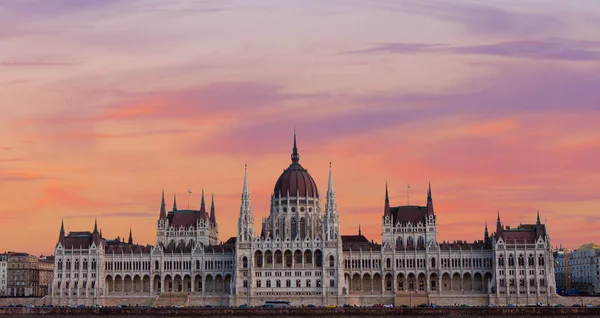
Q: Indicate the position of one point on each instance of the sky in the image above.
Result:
(103, 103)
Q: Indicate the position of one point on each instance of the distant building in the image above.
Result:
(578, 271)
(28, 276)
(3, 274)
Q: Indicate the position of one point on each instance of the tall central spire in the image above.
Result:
(295, 155)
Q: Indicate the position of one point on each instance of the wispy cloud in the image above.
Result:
(9, 176)
(478, 18)
(550, 49)
(37, 63)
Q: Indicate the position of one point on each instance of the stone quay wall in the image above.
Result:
(355, 311)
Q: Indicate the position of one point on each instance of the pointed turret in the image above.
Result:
(498, 224)
(213, 216)
(202, 205)
(295, 155)
(359, 233)
(429, 201)
(163, 209)
(386, 208)
(95, 226)
(174, 202)
(130, 241)
(486, 235)
(538, 222)
(61, 236)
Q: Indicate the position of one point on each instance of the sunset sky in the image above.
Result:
(103, 103)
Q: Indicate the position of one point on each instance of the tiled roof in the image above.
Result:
(409, 213)
(358, 242)
(524, 233)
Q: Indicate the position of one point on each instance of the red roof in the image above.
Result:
(409, 213)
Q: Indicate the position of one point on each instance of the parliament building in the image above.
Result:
(300, 255)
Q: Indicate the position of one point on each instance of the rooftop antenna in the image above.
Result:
(408, 194)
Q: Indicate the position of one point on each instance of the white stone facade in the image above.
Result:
(300, 255)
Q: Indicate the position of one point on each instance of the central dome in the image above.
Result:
(295, 181)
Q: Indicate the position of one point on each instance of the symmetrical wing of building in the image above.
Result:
(300, 255)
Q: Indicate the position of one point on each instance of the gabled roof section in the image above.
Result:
(358, 242)
(409, 213)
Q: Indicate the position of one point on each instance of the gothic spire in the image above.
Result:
(429, 192)
(359, 233)
(498, 223)
(429, 201)
(130, 238)
(95, 226)
(538, 222)
(163, 209)
(295, 155)
(486, 235)
(330, 205)
(330, 189)
(213, 216)
(386, 208)
(62, 230)
(245, 193)
(174, 202)
(202, 204)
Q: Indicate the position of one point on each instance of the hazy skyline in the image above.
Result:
(105, 103)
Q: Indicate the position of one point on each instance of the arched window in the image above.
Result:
(399, 242)
(318, 258)
(331, 261)
(541, 260)
(511, 260)
(388, 263)
(521, 260)
(433, 262)
(245, 263)
(409, 241)
(531, 260)
(501, 260)
(278, 283)
(294, 228)
(302, 228)
(421, 241)
(198, 264)
(60, 264)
